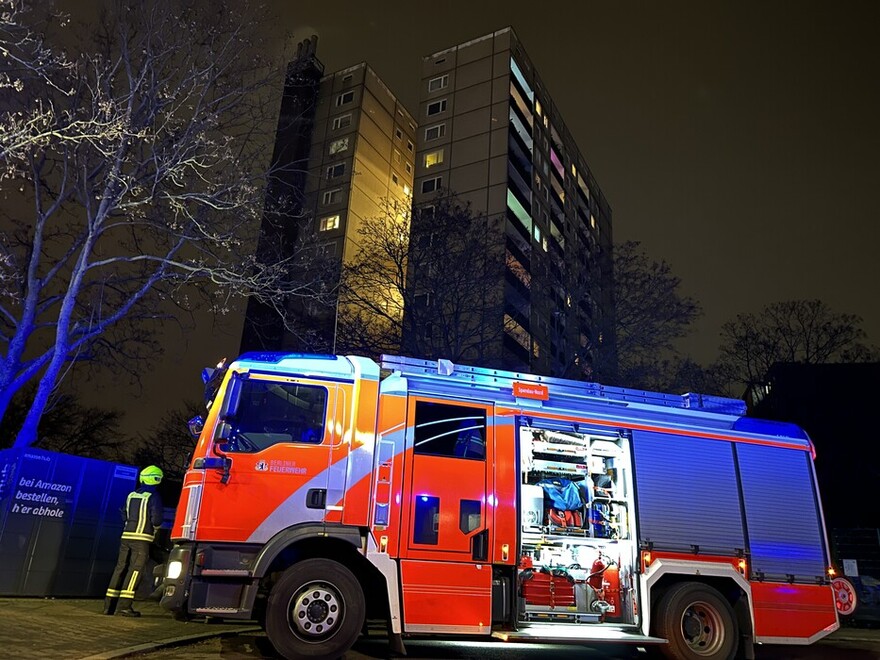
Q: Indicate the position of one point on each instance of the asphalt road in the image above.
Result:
(254, 646)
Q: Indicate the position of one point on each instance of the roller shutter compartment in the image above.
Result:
(687, 493)
(785, 532)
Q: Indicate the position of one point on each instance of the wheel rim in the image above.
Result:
(316, 611)
(702, 628)
(844, 596)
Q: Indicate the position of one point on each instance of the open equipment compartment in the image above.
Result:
(578, 553)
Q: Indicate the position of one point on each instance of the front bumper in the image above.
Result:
(175, 590)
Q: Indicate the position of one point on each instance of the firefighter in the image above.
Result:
(143, 516)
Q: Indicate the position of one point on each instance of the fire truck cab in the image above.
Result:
(457, 501)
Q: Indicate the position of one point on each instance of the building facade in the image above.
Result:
(345, 147)
(490, 133)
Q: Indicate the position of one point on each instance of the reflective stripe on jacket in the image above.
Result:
(143, 515)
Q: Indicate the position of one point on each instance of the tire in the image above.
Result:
(315, 611)
(697, 622)
(846, 599)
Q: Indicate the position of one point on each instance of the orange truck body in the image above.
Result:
(471, 501)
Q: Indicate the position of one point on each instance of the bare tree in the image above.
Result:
(801, 331)
(651, 314)
(425, 285)
(169, 443)
(142, 166)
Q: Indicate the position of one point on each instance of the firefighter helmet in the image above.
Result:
(151, 476)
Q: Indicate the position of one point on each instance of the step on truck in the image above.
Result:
(462, 502)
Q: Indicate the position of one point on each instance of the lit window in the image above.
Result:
(537, 233)
(435, 132)
(592, 221)
(341, 122)
(437, 107)
(335, 170)
(332, 196)
(431, 185)
(339, 145)
(434, 158)
(329, 222)
(407, 190)
(345, 97)
(438, 83)
(538, 106)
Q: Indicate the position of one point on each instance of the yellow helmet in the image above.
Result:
(151, 476)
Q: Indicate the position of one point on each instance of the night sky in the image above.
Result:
(738, 140)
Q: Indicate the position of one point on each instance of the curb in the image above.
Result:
(169, 642)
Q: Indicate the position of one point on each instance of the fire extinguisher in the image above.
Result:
(595, 577)
(611, 592)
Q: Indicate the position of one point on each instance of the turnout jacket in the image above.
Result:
(143, 514)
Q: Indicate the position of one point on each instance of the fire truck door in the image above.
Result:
(448, 444)
(281, 445)
(446, 577)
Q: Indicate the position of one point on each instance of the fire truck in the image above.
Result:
(463, 502)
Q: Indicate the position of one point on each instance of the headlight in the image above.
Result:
(175, 568)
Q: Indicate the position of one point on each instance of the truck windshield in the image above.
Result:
(270, 413)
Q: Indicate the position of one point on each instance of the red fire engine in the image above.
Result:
(458, 501)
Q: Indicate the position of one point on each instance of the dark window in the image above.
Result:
(431, 185)
(446, 430)
(270, 413)
(437, 107)
(335, 171)
(469, 515)
(435, 132)
(345, 97)
(427, 520)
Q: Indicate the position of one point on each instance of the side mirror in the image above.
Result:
(232, 398)
(195, 426)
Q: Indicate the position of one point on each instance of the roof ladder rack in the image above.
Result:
(445, 370)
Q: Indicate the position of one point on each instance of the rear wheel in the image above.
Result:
(315, 611)
(845, 598)
(698, 623)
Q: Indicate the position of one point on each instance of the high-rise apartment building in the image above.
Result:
(344, 148)
(490, 133)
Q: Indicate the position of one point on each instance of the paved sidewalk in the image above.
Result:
(75, 628)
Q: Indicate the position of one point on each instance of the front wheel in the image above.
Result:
(316, 611)
(698, 623)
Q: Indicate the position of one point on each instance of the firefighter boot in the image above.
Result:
(125, 608)
(109, 605)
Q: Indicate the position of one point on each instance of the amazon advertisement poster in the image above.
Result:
(60, 521)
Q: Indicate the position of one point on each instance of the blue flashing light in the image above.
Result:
(276, 357)
(767, 427)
